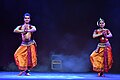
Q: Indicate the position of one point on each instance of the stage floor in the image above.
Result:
(57, 76)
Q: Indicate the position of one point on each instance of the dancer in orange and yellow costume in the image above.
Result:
(101, 58)
(25, 55)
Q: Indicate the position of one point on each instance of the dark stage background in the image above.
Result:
(64, 27)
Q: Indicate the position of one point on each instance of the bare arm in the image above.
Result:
(109, 34)
(96, 35)
(33, 29)
(17, 30)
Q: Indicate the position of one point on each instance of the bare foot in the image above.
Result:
(21, 73)
(27, 74)
(99, 74)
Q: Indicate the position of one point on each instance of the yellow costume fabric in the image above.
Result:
(25, 56)
(101, 58)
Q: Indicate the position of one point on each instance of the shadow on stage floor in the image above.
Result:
(57, 76)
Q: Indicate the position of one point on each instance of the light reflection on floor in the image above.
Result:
(57, 76)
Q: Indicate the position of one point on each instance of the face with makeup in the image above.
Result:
(27, 19)
(101, 24)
